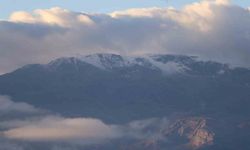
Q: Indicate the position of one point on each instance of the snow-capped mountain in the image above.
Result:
(113, 61)
(167, 64)
(119, 89)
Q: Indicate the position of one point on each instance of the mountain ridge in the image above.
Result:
(67, 80)
(166, 63)
(118, 93)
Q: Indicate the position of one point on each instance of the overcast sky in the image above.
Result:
(217, 30)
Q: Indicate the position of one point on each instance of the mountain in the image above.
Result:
(155, 85)
(180, 134)
(119, 89)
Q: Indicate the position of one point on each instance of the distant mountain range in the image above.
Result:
(119, 89)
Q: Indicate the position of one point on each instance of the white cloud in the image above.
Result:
(196, 15)
(8, 106)
(223, 2)
(80, 130)
(53, 16)
(212, 29)
(53, 128)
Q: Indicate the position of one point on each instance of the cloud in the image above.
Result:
(211, 29)
(196, 15)
(54, 128)
(53, 16)
(56, 132)
(8, 106)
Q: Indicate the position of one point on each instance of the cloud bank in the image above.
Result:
(51, 128)
(53, 16)
(51, 131)
(8, 106)
(25, 123)
(82, 131)
(34, 126)
(212, 29)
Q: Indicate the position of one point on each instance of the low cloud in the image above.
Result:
(23, 122)
(211, 29)
(56, 129)
(8, 106)
(53, 128)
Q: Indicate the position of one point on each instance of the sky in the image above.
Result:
(217, 30)
(94, 6)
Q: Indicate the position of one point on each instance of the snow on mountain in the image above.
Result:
(167, 64)
(63, 60)
(114, 61)
(105, 61)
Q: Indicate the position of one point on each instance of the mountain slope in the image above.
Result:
(98, 85)
(120, 89)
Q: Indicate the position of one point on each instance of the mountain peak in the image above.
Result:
(165, 63)
(154, 62)
(104, 60)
